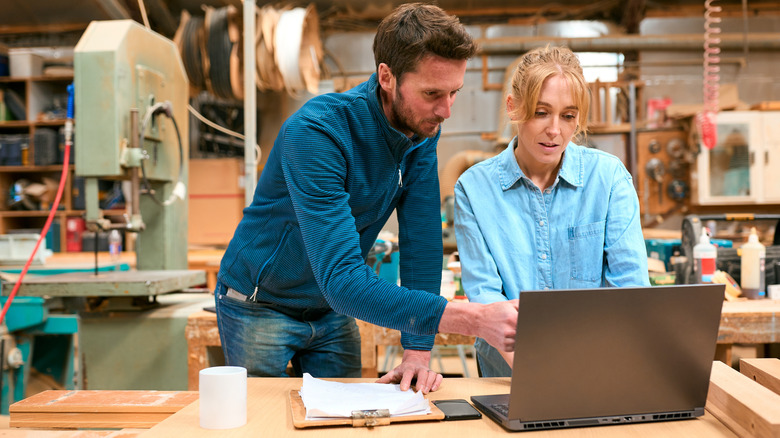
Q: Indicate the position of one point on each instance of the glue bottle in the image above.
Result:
(114, 245)
(752, 267)
(704, 256)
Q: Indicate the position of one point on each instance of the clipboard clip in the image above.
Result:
(370, 418)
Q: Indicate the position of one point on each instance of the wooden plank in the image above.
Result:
(765, 371)
(70, 433)
(92, 420)
(743, 405)
(98, 409)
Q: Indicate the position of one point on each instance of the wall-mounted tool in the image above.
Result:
(656, 170)
(677, 190)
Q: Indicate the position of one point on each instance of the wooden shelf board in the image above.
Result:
(52, 168)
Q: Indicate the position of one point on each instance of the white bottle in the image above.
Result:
(752, 268)
(704, 257)
(114, 245)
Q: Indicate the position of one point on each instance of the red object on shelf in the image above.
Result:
(74, 228)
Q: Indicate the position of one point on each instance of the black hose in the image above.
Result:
(168, 111)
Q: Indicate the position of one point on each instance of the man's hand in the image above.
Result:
(496, 322)
(501, 319)
(414, 364)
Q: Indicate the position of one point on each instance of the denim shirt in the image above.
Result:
(582, 232)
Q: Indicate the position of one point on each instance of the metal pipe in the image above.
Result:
(622, 43)
(135, 182)
(250, 105)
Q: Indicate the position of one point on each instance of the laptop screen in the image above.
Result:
(614, 351)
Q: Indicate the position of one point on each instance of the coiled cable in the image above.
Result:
(706, 119)
(219, 48)
(192, 57)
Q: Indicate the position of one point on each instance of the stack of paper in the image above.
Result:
(324, 399)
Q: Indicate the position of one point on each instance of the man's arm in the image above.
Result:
(496, 323)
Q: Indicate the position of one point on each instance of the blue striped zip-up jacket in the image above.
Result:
(336, 172)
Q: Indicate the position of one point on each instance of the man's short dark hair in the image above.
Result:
(415, 30)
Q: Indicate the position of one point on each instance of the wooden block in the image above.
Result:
(59, 409)
(764, 371)
(744, 406)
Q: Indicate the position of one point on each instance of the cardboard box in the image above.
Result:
(25, 63)
(216, 200)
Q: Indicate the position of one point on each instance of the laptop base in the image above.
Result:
(496, 408)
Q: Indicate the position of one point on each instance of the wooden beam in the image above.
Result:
(744, 406)
(765, 371)
(45, 28)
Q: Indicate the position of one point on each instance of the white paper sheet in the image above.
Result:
(325, 399)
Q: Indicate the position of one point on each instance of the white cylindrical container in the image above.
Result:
(222, 392)
(705, 255)
(752, 276)
(114, 245)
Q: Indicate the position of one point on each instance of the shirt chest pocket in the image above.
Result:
(586, 251)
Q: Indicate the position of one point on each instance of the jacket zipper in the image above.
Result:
(260, 273)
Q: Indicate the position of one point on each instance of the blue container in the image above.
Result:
(664, 249)
(4, 69)
(25, 312)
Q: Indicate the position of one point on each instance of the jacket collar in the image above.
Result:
(571, 169)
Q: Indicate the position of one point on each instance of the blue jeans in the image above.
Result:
(263, 338)
(490, 361)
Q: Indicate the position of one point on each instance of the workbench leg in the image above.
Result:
(368, 353)
(197, 360)
(723, 353)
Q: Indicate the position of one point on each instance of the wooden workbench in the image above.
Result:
(747, 322)
(269, 415)
(744, 322)
(744, 404)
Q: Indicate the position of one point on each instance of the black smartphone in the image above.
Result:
(457, 409)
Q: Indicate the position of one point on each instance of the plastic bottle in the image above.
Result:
(114, 245)
(704, 257)
(752, 268)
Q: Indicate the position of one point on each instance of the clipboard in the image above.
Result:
(359, 418)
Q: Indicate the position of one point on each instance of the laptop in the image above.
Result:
(594, 357)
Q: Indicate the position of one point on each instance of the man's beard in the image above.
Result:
(402, 115)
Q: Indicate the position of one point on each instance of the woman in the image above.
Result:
(546, 213)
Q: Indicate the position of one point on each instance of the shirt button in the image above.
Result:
(541, 223)
(546, 288)
(544, 256)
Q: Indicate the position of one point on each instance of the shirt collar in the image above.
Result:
(571, 169)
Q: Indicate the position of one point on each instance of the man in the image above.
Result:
(294, 276)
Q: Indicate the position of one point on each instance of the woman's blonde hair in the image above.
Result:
(534, 68)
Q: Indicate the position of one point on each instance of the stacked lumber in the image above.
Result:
(61, 409)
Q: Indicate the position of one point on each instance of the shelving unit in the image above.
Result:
(44, 99)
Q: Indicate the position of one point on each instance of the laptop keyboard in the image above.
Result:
(502, 408)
